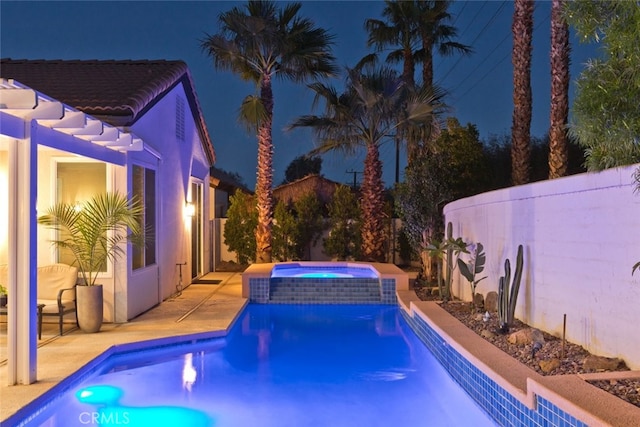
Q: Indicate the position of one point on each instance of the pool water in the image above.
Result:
(322, 271)
(281, 365)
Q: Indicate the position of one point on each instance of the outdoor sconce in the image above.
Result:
(190, 209)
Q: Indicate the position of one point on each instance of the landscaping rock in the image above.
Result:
(550, 365)
(485, 333)
(526, 336)
(491, 302)
(599, 363)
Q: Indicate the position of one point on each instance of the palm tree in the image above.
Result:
(401, 30)
(558, 138)
(258, 42)
(522, 29)
(435, 34)
(416, 27)
(374, 106)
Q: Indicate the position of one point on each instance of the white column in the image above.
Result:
(21, 331)
(12, 240)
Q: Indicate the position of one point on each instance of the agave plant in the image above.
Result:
(94, 231)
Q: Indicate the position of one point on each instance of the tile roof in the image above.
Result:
(226, 181)
(322, 187)
(118, 92)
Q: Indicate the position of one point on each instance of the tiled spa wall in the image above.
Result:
(330, 291)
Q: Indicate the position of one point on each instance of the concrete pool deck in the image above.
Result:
(207, 308)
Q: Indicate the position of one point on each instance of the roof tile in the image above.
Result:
(116, 91)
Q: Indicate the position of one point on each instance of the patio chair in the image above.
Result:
(56, 293)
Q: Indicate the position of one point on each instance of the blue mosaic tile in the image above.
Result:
(504, 408)
(299, 290)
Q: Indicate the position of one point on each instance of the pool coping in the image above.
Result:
(570, 393)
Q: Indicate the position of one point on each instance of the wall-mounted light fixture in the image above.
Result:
(190, 209)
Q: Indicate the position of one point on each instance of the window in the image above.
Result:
(77, 182)
(144, 188)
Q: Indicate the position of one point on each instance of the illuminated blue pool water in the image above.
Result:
(281, 365)
(337, 270)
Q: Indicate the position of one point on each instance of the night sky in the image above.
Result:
(480, 85)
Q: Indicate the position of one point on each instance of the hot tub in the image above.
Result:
(323, 283)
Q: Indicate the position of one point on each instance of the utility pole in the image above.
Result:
(355, 174)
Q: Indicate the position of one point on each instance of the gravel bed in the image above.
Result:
(571, 357)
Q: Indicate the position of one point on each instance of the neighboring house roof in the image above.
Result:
(118, 92)
(226, 181)
(322, 187)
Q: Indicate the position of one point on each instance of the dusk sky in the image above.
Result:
(480, 85)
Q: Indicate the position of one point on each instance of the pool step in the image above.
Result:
(333, 291)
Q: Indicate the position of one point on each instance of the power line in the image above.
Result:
(496, 65)
(453, 24)
(472, 72)
(473, 19)
(490, 21)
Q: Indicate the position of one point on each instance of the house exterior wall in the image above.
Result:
(581, 237)
(182, 162)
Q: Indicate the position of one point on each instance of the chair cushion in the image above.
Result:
(52, 278)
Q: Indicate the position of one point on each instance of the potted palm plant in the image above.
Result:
(94, 233)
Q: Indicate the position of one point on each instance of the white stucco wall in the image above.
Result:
(581, 236)
(181, 162)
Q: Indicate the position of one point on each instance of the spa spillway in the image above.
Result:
(323, 283)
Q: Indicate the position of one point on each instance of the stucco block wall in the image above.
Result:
(581, 236)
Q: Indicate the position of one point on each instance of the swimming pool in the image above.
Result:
(281, 365)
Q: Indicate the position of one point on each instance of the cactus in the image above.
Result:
(507, 298)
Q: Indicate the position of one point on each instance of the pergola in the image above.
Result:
(29, 119)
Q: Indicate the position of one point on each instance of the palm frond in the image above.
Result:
(94, 231)
(252, 112)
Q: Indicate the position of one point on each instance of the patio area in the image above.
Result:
(200, 308)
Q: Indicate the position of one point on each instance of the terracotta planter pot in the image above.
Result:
(89, 300)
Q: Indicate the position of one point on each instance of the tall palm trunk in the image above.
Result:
(408, 70)
(560, 50)
(522, 30)
(373, 223)
(264, 179)
(427, 64)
